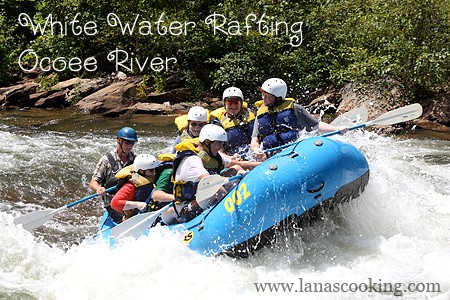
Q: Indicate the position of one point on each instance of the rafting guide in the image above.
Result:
(129, 61)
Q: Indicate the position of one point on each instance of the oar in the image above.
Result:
(392, 117)
(137, 225)
(352, 117)
(209, 185)
(37, 218)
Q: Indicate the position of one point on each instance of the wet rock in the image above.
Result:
(426, 124)
(162, 98)
(117, 112)
(326, 103)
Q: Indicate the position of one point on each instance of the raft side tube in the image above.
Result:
(290, 183)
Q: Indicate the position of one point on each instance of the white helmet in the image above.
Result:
(213, 133)
(232, 92)
(145, 162)
(275, 86)
(198, 113)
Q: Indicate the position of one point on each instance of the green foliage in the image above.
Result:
(343, 41)
(5, 50)
(46, 82)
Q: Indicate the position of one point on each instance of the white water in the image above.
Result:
(397, 232)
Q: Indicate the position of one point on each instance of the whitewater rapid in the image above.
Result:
(397, 233)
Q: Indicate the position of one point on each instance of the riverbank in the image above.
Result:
(123, 96)
(71, 120)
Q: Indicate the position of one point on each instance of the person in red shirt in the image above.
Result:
(140, 193)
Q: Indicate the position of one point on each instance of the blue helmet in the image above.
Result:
(127, 133)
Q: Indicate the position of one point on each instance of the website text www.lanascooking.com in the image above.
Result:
(369, 286)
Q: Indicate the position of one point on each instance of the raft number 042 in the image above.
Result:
(237, 197)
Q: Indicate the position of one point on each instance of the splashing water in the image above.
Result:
(397, 231)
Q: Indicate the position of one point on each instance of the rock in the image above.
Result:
(326, 103)
(162, 98)
(68, 84)
(84, 88)
(115, 97)
(57, 99)
(426, 124)
(438, 110)
(378, 97)
(117, 112)
(152, 108)
(18, 95)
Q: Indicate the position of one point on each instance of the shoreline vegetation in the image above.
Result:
(160, 58)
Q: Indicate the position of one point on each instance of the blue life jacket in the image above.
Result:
(239, 132)
(277, 125)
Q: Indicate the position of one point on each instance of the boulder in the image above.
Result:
(84, 88)
(161, 98)
(67, 84)
(18, 95)
(379, 97)
(426, 124)
(152, 108)
(438, 109)
(117, 96)
(55, 100)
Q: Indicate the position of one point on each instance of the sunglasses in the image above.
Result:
(128, 142)
(229, 102)
(194, 124)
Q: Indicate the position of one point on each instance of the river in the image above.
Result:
(393, 240)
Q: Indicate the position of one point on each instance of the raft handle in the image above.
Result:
(318, 189)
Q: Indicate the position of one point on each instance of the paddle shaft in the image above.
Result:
(89, 197)
(37, 218)
(395, 116)
(137, 225)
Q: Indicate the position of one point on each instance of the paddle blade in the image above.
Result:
(37, 218)
(399, 115)
(208, 186)
(137, 225)
(352, 117)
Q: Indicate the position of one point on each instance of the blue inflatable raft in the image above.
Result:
(300, 181)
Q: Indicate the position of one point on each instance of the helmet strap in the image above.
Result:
(121, 153)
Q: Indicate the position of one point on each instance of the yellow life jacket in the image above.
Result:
(286, 104)
(133, 177)
(221, 111)
(166, 157)
(182, 121)
(188, 144)
(211, 164)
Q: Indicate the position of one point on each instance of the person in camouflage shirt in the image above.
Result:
(111, 163)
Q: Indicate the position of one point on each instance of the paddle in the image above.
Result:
(137, 225)
(352, 117)
(392, 117)
(37, 218)
(209, 185)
